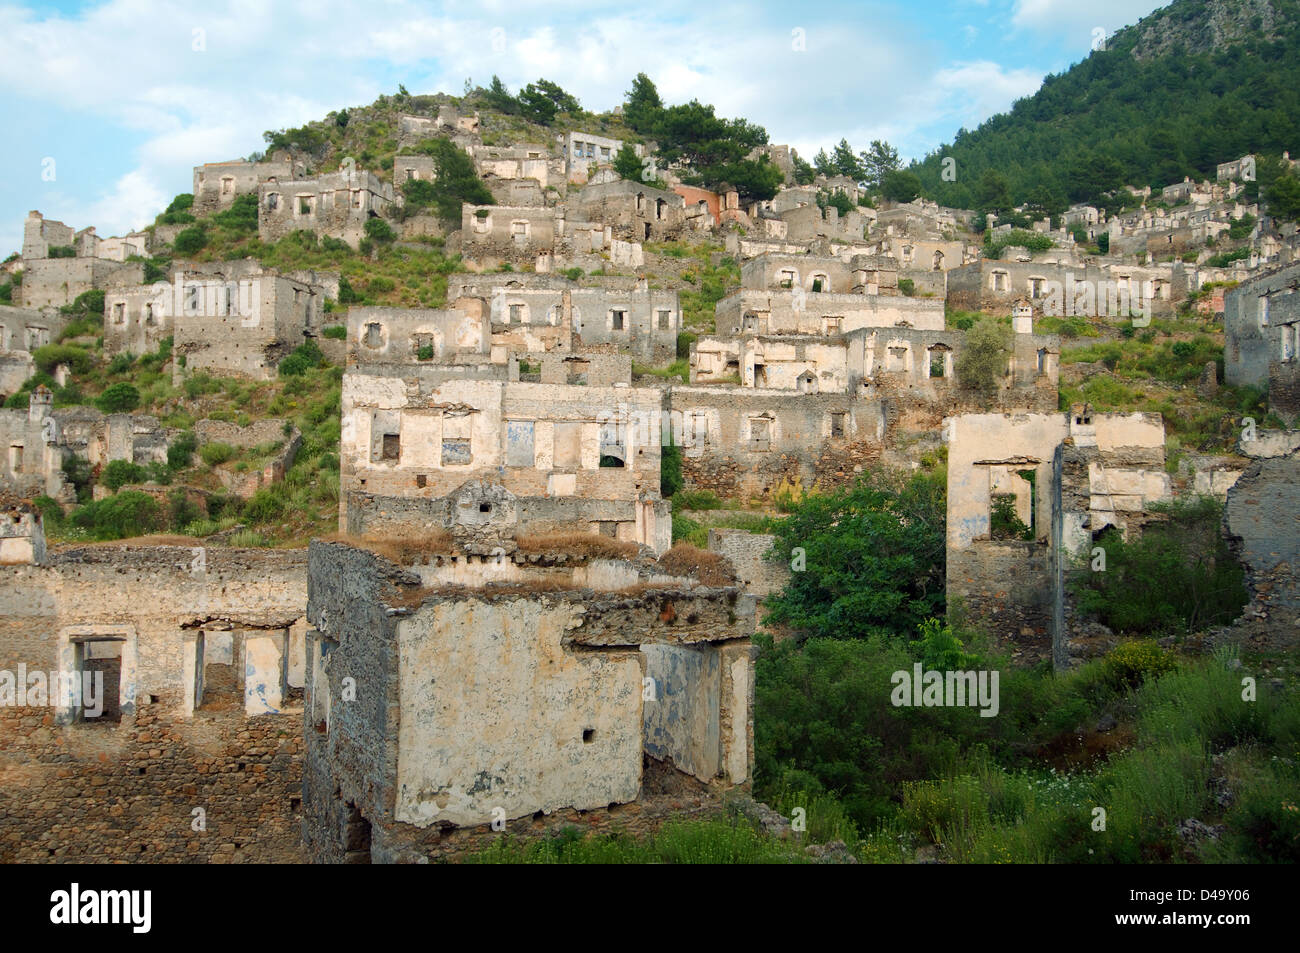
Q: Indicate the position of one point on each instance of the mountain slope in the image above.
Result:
(1194, 84)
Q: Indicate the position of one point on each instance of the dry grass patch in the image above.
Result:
(403, 547)
(709, 568)
(591, 545)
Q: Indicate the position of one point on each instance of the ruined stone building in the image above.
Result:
(1028, 493)
(786, 294)
(335, 205)
(1261, 323)
(199, 708)
(218, 184)
(532, 313)
(637, 212)
(584, 151)
(22, 331)
(39, 442)
(60, 264)
(569, 455)
(239, 324)
(1101, 289)
(448, 691)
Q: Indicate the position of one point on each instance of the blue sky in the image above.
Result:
(126, 96)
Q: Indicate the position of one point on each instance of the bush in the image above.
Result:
(181, 510)
(129, 513)
(1132, 663)
(907, 286)
(242, 214)
(1179, 576)
(335, 332)
(180, 454)
(380, 231)
(983, 361)
(49, 356)
(306, 356)
(118, 473)
(684, 341)
(118, 398)
(191, 241)
(670, 470)
(51, 510)
(264, 506)
(88, 302)
(215, 454)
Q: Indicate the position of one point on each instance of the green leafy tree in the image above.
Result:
(872, 558)
(901, 185)
(627, 163)
(119, 398)
(456, 182)
(191, 241)
(498, 97)
(983, 360)
(993, 194)
(118, 473)
(804, 173)
(642, 106)
(846, 161)
(378, 230)
(1178, 576)
(878, 160)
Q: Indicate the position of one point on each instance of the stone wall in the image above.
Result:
(127, 793)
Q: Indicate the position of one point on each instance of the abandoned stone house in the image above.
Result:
(416, 167)
(461, 129)
(22, 331)
(39, 442)
(40, 234)
(335, 205)
(517, 162)
(137, 319)
(238, 326)
(566, 456)
(583, 151)
(199, 701)
(1261, 323)
(526, 690)
(638, 212)
(218, 184)
(1105, 289)
(93, 263)
(874, 362)
(746, 442)
(1028, 495)
(753, 311)
(532, 313)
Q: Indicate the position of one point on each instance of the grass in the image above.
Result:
(677, 842)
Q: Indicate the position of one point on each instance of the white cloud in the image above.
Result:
(1072, 23)
(267, 66)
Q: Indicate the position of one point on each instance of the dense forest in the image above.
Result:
(1157, 104)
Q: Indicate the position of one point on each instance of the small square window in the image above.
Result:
(392, 446)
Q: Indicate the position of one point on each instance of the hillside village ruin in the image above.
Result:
(502, 629)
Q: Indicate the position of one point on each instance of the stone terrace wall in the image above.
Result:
(126, 793)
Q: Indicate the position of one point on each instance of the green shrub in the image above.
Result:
(216, 453)
(304, 357)
(1178, 576)
(337, 332)
(180, 453)
(181, 510)
(118, 473)
(118, 398)
(121, 363)
(907, 286)
(265, 506)
(49, 356)
(191, 241)
(684, 341)
(129, 513)
(51, 510)
(378, 230)
(1132, 663)
(670, 470)
(424, 352)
